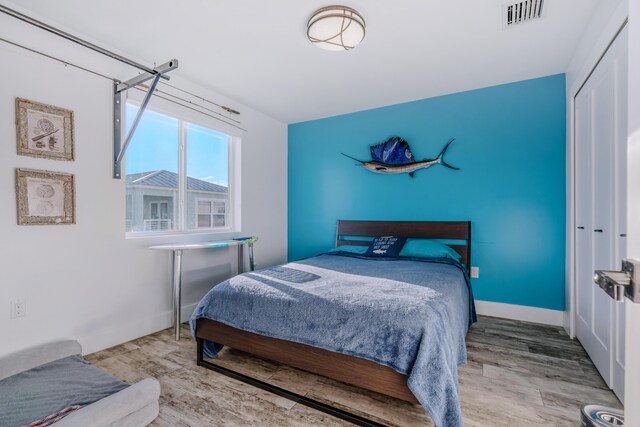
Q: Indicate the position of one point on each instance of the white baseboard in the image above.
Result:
(567, 324)
(122, 332)
(520, 312)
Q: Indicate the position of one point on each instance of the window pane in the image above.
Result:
(207, 176)
(152, 172)
(129, 209)
(204, 207)
(219, 207)
(219, 221)
(204, 221)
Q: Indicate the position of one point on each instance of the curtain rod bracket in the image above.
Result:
(141, 78)
(119, 148)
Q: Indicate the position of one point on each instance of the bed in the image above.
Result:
(395, 326)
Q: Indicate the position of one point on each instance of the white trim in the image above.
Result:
(235, 182)
(182, 174)
(119, 333)
(544, 316)
(632, 340)
(569, 321)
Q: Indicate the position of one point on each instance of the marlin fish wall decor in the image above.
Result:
(394, 156)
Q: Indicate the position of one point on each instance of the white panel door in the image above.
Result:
(603, 198)
(600, 144)
(593, 306)
(584, 214)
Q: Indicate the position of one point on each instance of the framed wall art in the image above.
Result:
(44, 197)
(44, 130)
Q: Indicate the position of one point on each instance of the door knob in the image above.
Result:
(618, 284)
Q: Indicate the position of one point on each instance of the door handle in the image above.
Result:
(598, 230)
(580, 228)
(618, 284)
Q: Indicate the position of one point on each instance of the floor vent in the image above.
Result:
(521, 11)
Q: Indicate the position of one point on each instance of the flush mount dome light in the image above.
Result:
(336, 28)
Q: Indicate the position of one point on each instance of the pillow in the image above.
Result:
(388, 246)
(428, 248)
(353, 249)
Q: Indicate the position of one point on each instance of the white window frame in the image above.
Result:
(232, 203)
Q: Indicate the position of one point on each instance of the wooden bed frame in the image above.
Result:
(348, 369)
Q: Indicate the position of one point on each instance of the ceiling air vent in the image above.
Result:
(521, 11)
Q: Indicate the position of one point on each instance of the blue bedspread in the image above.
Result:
(409, 314)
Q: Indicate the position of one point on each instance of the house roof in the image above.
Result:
(163, 178)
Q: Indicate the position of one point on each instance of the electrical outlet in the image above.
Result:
(18, 308)
(475, 272)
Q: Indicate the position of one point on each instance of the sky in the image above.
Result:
(155, 146)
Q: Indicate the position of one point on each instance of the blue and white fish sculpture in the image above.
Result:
(394, 156)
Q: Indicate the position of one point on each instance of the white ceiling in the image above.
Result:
(256, 51)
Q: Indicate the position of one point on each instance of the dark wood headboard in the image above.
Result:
(444, 230)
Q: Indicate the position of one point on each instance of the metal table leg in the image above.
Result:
(177, 290)
(240, 258)
(252, 264)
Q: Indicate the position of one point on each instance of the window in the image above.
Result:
(211, 213)
(158, 218)
(177, 176)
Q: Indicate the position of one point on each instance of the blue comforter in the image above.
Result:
(409, 314)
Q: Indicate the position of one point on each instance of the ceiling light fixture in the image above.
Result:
(336, 28)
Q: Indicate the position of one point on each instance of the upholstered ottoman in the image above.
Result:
(53, 382)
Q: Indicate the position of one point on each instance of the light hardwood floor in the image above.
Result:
(519, 374)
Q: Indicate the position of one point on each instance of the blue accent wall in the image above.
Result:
(510, 147)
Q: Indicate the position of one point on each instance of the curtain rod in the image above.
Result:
(71, 37)
(112, 79)
(56, 31)
(156, 91)
(62, 61)
(138, 88)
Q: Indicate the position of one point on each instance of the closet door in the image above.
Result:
(583, 211)
(602, 100)
(593, 306)
(600, 157)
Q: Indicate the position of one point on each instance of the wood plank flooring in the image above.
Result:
(519, 374)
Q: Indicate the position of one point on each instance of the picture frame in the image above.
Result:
(44, 131)
(44, 197)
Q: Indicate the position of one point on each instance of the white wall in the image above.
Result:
(604, 23)
(87, 281)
